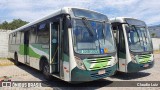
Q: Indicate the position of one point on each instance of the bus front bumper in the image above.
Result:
(78, 75)
(134, 67)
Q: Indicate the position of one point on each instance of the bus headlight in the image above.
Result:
(80, 64)
(133, 58)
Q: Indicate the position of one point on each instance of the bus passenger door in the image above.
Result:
(26, 47)
(120, 41)
(54, 47)
(58, 42)
(122, 50)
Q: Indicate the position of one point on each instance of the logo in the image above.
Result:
(105, 50)
(102, 51)
(6, 84)
(5, 81)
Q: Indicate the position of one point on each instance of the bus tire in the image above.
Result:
(46, 72)
(41, 65)
(16, 59)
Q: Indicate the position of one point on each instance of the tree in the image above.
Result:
(4, 25)
(153, 34)
(16, 23)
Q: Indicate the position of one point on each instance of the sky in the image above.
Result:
(30, 10)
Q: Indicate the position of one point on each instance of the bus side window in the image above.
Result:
(121, 40)
(10, 39)
(43, 33)
(10, 42)
(18, 38)
(32, 37)
(22, 37)
(13, 38)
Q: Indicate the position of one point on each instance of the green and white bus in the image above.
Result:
(71, 44)
(134, 44)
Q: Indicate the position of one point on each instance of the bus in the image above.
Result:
(71, 44)
(134, 44)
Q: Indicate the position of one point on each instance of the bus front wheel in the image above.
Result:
(46, 72)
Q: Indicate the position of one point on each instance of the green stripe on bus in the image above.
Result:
(31, 52)
(144, 58)
(96, 63)
(21, 49)
(41, 48)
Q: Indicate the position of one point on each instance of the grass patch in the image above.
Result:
(156, 51)
(4, 59)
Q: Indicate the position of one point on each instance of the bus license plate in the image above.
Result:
(146, 65)
(101, 72)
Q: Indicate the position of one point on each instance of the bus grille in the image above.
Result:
(97, 63)
(144, 58)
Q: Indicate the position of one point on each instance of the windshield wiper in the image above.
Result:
(145, 36)
(136, 32)
(89, 28)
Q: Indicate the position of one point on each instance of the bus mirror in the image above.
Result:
(68, 22)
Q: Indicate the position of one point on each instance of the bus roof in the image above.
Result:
(119, 19)
(64, 10)
(127, 20)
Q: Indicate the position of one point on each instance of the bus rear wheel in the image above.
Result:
(16, 59)
(46, 72)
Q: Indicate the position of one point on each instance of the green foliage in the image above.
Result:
(153, 34)
(16, 23)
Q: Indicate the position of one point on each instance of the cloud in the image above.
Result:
(29, 10)
(144, 10)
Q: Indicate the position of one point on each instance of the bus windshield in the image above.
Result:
(92, 37)
(139, 39)
(88, 14)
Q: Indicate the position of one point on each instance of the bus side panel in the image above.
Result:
(72, 62)
(128, 58)
(16, 48)
(122, 49)
(11, 51)
(66, 67)
(35, 53)
(21, 53)
(122, 61)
